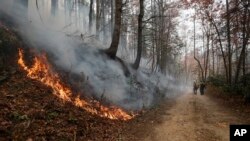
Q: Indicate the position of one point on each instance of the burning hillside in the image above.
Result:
(29, 110)
(104, 81)
(42, 71)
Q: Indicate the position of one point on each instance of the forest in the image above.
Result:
(123, 69)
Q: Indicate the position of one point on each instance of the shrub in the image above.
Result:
(217, 81)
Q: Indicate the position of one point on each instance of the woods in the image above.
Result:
(102, 67)
(140, 33)
(97, 48)
(146, 33)
(226, 30)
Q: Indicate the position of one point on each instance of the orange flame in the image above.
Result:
(41, 71)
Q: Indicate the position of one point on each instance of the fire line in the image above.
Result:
(42, 71)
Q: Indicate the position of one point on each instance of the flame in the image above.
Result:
(41, 71)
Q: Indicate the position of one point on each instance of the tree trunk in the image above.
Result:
(198, 61)
(213, 57)
(54, 7)
(221, 47)
(162, 39)
(186, 65)
(139, 42)
(207, 55)
(229, 45)
(97, 18)
(153, 41)
(112, 16)
(116, 34)
(103, 19)
(90, 15)
(245, 34)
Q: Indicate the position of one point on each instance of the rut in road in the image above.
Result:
(194, 118)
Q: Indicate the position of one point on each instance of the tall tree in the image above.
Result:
(112, 15)
(54, 6)
(206, 55)
(139, 42)
(212, 21)
(229, 44)
(245, 39)
(116, 33)
(198, 61)
(98, 15)
(90, 14)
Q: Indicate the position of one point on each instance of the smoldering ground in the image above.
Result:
(102, 78)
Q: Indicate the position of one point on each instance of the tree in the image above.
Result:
(221, 46)
(245, 39)
(112, 15)
(98, 15)
(198, 61)
(229, 45)
(139, 42)
(54, 6)
(103, 18)
(116, 33)
(206, 55)
(90, 14)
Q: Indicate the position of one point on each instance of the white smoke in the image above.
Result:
(105, 77)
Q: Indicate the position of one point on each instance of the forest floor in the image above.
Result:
(201, 118)
(30, 111)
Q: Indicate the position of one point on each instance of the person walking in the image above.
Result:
(195, 87)
(202, 88)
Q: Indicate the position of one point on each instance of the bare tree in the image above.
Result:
(245, 39)
(198, 61)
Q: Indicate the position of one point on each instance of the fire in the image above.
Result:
(41, 71)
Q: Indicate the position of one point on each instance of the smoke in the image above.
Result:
(103, 78)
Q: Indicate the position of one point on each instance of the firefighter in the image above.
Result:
(202, 88)
(195, 87)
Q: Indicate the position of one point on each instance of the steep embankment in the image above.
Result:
(30, 111)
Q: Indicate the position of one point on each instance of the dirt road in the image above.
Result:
(194, 118)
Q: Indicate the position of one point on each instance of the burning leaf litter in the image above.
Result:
(42, 71)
